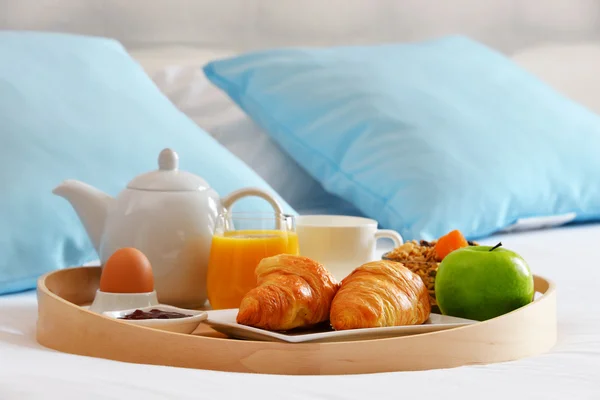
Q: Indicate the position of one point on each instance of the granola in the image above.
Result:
(420, 258)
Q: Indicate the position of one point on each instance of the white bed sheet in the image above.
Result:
(571, 370)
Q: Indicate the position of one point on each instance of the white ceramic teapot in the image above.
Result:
(169, 215)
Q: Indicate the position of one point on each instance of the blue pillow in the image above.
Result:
(425, 137)
(80, 107)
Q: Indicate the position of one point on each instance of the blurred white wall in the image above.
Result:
(509, 25)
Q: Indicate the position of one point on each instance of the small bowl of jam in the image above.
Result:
(163, 317)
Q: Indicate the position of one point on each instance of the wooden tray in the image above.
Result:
(65, 326)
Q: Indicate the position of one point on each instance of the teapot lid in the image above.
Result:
(168, 177)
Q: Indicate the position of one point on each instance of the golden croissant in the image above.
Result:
(380, 293)
(291, 292)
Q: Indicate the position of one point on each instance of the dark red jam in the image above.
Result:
(154, 314)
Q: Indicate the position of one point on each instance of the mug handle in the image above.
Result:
(389, 234)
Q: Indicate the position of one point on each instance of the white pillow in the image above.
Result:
(570, 68)
(188, 88)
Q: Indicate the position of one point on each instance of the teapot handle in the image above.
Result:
(228, 201)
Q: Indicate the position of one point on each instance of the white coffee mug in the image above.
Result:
(341, 243)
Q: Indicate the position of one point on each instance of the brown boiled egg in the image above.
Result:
(128, 270)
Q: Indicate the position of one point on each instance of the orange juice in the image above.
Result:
(234, 257)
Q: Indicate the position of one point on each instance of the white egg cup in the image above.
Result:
(105, 301)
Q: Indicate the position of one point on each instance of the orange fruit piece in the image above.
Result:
(448, 243)
(127, 270)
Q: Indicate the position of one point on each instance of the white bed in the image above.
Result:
(561, 46)
(571, 370)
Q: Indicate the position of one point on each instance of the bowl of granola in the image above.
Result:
(421, 258)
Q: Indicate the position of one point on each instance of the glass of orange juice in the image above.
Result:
(240, 242)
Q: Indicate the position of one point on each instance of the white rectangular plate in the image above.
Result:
(224, 321)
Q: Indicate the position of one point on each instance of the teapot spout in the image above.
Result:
(90, 204)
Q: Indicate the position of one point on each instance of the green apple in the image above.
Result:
(482, 282)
